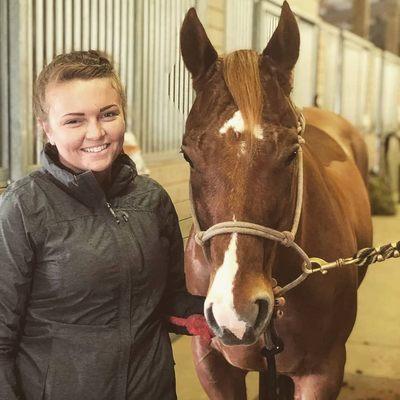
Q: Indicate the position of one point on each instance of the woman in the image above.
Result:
(90, 254)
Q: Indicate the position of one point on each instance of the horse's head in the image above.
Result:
(241, 142)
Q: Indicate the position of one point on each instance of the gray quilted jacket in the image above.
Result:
(87, 279)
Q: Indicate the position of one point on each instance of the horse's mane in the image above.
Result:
(242, 76)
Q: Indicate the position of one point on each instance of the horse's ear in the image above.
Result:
(284, 45)
(197, 51)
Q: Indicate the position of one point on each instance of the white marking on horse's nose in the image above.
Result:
(221, 292)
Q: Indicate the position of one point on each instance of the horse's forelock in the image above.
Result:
(242, 76)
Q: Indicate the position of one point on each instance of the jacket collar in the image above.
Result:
(84, 186)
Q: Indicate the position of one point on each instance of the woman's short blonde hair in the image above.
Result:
(83, 65)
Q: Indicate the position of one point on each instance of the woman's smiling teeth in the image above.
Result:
(96, 149)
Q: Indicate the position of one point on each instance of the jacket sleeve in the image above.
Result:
(177, 303)
(16, 260)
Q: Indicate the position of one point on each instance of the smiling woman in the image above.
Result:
(86, 123)
(91, 255)
(83, 117)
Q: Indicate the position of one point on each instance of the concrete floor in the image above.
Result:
(373, 350)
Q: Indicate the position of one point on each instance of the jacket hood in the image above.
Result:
(84, 186)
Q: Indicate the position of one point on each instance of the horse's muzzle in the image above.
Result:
(250, 328)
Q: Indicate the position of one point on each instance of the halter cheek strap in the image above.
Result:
(286, 238)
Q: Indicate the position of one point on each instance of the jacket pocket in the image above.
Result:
(83, 363)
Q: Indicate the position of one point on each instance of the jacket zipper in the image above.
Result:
(112, 212)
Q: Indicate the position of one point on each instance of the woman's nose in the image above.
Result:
(94, 131)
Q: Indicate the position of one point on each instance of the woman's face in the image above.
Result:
(85, 122)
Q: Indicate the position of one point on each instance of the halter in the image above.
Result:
(286, 238)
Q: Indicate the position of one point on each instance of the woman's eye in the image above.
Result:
(72, 122)
(110, 114)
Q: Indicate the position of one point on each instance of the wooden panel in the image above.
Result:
(185, 225)
(178, 192)
(183, 209)
(169, 172)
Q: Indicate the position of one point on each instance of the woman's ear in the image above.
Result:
(44, 124)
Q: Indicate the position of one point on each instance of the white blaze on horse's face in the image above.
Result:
(220, 295)
(236, 123)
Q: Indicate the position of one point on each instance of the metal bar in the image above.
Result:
(102, 25)
(109, 27)
(157, 96)
(152, 77)
(145, 88)
(69, 34)
(163, 95)
(4, 93)
(49, 31)
(117, 35)
(86, 25)
(124, 41)
(77, 24)
(182, 89)
(130, 67)
(59, 31)
(94, 24)
(176, 71)
(135, 75)
(32, 156)
(18, 99)
(170, 66)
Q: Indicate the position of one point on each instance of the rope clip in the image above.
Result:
(322, 266)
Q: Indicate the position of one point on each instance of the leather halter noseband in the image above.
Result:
(285, 238)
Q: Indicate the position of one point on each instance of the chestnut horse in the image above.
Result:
(242, 143)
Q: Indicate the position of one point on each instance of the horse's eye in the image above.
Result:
(187, 159)
(292, 156)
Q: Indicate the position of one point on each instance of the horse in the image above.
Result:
(243, 145)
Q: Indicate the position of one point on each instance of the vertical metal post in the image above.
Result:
(59, 26)
(102, 25)
(19, 126)
(68, 34)
(109, 26)
(94, 25)
(86, 25)
(77, 24)
(4, 92)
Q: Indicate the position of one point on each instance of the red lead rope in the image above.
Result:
(196, 325)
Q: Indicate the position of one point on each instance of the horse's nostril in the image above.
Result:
(263, 307)
(211, 320)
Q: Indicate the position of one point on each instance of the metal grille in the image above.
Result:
(163, 90)
(239, 24)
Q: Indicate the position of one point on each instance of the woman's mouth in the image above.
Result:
(96, 149)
